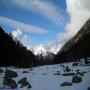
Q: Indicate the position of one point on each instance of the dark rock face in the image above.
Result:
(10, 74)
(76, 48)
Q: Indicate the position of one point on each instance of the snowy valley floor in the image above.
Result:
(51, 77)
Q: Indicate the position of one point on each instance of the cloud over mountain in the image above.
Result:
(17, 33)
(79, 12)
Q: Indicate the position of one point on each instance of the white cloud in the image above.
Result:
(23, 37)
(22, 30)
(54, 47)
(17, 33)
(39, 49)
(25, 40)
(22, 26)
(42, 7)
(79, 13)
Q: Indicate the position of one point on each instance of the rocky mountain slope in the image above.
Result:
(77, 47)
(13, 52)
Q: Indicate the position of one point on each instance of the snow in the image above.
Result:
(39, 49)
(43, 50)
(43, 78)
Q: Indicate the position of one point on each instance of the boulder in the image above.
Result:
(76, 79)
(66, 84)
(68, 74)
(25, 72)
(1, 71)
(29, 86)
(75, 64)
(10, 74)
(67, 69)
(24, 83)
(10, 83)
(23, 80)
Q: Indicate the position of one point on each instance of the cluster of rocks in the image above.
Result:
(11, 83)
(8, 79)
(76, 77)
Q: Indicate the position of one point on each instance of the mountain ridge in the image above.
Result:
(13, 52)
(77, 47)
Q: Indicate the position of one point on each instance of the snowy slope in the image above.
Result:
(44, 78)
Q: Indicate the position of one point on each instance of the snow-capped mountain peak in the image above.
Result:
(39, 49)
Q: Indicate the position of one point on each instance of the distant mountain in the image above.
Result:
(42, 53)
(39, 49)
(14, 53)
(48, 56)
(76, 48)
(44, 59)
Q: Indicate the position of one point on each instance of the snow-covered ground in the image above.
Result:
(44, 78)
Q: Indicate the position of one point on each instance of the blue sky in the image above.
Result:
(43, 21)
(10, 10)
